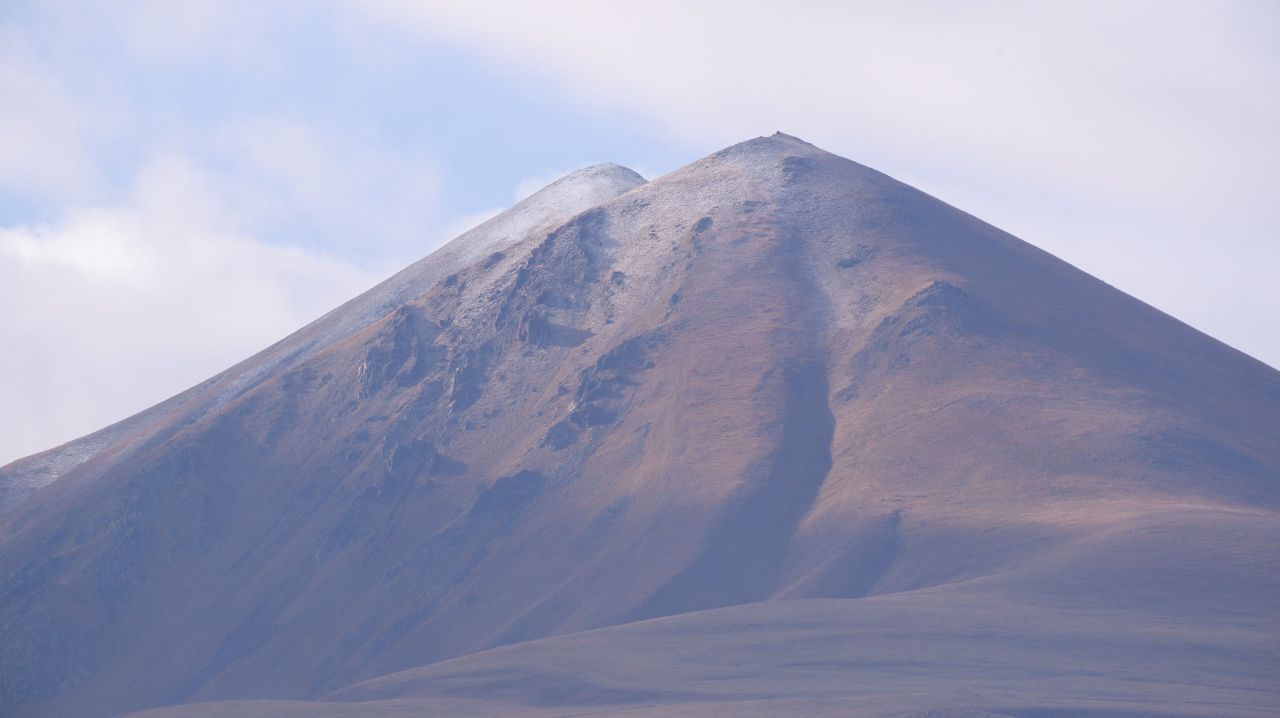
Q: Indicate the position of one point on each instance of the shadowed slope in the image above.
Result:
(772, 374)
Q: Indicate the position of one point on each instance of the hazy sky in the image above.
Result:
(183, 183)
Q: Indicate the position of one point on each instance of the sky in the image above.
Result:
(182, 184)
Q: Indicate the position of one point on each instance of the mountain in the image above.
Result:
(771, 434)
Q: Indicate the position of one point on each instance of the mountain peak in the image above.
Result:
(767, 159)
(605, 180)
(779, 143)
(559, 201)
(780, 135)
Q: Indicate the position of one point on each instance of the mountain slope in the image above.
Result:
(773, 374)
(543, 210)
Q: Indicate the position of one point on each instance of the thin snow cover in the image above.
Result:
(541, 212)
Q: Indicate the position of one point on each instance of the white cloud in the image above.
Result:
(1048, 91)
(115, 308)
(98, 95)
(45, 132)
(162, 31)
(284, 173)
(176, 233)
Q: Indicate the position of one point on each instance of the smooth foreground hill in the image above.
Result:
(771, 435)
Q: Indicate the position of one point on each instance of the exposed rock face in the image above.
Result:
(538, 214)
(773, 374)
